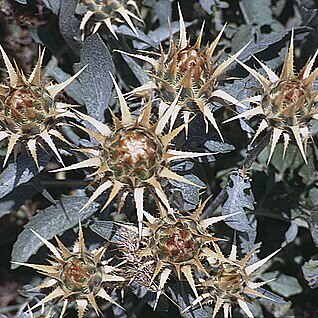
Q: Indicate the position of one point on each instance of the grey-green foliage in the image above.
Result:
(282, 284)
(310, 270)
(95, 80)
(240, 200)
(52, 221)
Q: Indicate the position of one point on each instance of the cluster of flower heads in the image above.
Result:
(135, 154)
(172, 246)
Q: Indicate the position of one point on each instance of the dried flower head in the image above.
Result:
(133, 156)
(28, 112)
(192, 71)
(178, 242)
(76, 275)
(135, 267)
(108, 11)
(286, 103)
(230, 282)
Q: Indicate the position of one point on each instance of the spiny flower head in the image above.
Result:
(133, 156)
(193, 71)
(108, 11)
(178, 242)
(28, 112)
(286, 102)
(76, 275)
(230, 282)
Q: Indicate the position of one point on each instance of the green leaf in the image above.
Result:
(95, 80)
(22, 171)
(74, 90)
(283, 284)
(52, 221)
(186, 196)
(257, 12)
(105, 229)
(54, 5)
(69, 25)
(13, 200)
(310, 271)
(207, 5)
(240, 198)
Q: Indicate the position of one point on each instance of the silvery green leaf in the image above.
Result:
(95, 80)
(23, 170)
(105, 229)
(207, 5)
(257, 12)
(69, 24)
(163, 10)
(185, 196)
(74, 89)
(52, 221)
(282, 284)
(310, 271)
(240, 199)
(139, 73)
(142, 37)
(53, 5)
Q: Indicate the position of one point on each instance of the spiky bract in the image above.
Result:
(230, 282)
(109, 11)
(286, 102)
(193, 72)
(76, 275)
(177, 243)
(29, 114)
(133, 156)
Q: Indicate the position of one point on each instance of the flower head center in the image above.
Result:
(190, 59)
(177, 243)
(132, 154)
(80, 275)
(288, 103)
(20, 100)
(229, 279)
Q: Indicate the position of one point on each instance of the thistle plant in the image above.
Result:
(29, 113)
(107, 12)
(174, 244)
(76, 275)
(230, 282)
(132, 157)
(286, 103)
(193, 72)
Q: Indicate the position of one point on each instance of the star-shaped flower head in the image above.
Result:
(29, 115)
(132, 156)
(107, 12)
(178, 242)
(76, 275)
(230, 282)
(286, 103)
(193, 70)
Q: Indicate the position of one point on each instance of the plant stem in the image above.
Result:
(220, 198)
(256, 150)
